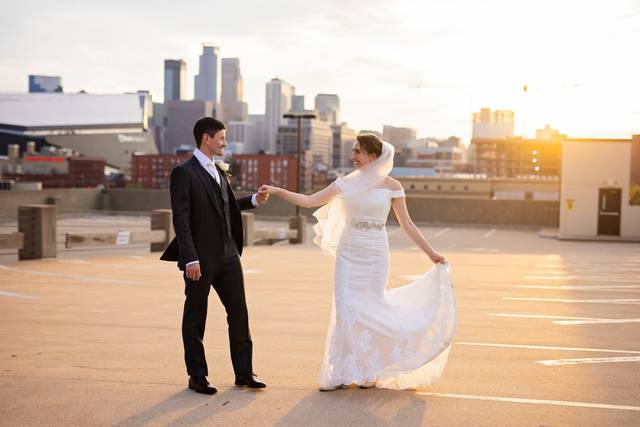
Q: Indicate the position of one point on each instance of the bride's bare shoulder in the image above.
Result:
(393, 184)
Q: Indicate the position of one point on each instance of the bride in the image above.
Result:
(398, 338)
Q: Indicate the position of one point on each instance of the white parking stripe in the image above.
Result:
(72, 261)
(586, 278)
(487, 235)
(547, 347)
(587, 360)
(628, 301)
(595, 321)
(70, 276)
(561, 270)
(536, 316)
(571, 320)
(629, 288)
(16, 295)
(441, 232)
(534, 401)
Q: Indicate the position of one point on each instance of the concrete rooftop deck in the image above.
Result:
(548, 334)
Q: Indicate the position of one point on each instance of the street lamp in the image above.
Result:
(299, 117)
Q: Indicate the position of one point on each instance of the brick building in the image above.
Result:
(59, 171)
(154, 170)
(252, 170)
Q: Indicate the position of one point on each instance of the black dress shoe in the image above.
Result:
(250, 381)
(201, 385)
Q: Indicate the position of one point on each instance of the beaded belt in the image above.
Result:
(366, 225)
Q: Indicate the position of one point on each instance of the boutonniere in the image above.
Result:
(224, 167)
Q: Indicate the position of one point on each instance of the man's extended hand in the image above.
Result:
(262, 197)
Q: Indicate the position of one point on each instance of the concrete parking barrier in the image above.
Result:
(161, 220)
(75, 240)
(248, 225)
(37, 223)
(299, 224)
(12, 241)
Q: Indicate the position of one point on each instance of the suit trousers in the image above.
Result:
(228, 281)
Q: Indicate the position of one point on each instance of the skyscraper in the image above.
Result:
(328, 107)
(208, 80)
(233, 107)
(297, 103)
(175, 87)
(278, 102)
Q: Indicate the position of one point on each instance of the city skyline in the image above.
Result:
(570, 65)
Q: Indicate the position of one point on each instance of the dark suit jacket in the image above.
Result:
(197, 207)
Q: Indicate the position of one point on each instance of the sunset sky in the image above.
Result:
(418, 63)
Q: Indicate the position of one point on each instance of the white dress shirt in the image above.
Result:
(209, 165)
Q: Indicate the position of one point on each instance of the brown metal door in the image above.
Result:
(609, 204)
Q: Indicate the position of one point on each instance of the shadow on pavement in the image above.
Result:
(373, 407)
(194, 408)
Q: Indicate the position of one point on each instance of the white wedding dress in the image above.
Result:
(398, 338)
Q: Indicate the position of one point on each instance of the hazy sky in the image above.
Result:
(419, 63)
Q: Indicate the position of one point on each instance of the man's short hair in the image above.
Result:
(207, 125)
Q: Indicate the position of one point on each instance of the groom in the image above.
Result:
(207, 246)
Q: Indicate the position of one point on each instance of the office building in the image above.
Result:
(233, 106)
(208, 81)
(278, 102)
(297, 104)
(175, 77)
(328, 108)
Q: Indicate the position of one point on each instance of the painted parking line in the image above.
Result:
(69, 276)
(441, 232)
(597, 274)
(585, 278)
(487, 235)
(626, 301)
(626, 288)
(547, 268)
(16, 295)
(567, 320)
(71, 261)
(138, 267)
(595, 321)
(588, 360)
(566, 269)
(547, 347)
(533, 401)
(535, 316)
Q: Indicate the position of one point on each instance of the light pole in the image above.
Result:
(299, 117)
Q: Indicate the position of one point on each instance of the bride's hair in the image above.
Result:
(371, 144)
